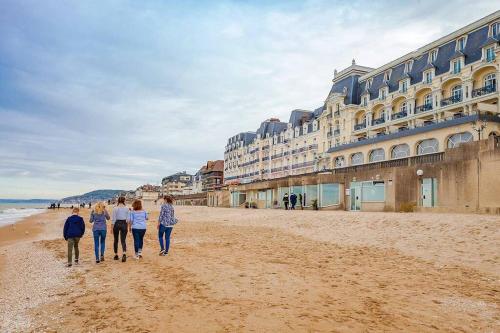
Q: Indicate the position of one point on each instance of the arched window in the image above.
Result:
(428, 146)
(456, 139)
(456, 92)
(357, 158)
(403, 108)
(428, 99)
(400, 151)
(377, 155)
(490, 80)
(339, 161)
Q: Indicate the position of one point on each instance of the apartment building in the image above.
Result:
(424, 102)
(177, 184)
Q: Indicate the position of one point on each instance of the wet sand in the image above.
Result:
(232, 270)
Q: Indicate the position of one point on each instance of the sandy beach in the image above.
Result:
(235, 270)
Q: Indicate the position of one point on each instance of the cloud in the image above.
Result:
(119, 93)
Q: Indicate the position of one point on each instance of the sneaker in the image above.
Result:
(76, 261)
(136, 256)
(124, 257)
(165, 253)
(102, 258)
(162, 253)
(97, 261)
(69, 265)
(140, 253)
(115, 257)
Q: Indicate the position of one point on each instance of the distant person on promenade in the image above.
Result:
(74, 228)
(293, 200)
(58, 205)
(285, 201)
(137, 225)
(119, 223)
(166, 222)
(301, 202)
(90, 205)
(98, 217)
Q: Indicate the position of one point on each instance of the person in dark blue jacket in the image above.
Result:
(74, 228)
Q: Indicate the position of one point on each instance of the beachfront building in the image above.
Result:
(177, 184)
(417, 107)
(212, 176)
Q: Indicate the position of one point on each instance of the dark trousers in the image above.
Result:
(164, 231)
(286, 205)
(293, 205)
(120, 231)
(138, 235)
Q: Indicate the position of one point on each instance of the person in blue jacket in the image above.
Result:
(74, 228)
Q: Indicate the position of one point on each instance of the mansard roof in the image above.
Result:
(271, 127)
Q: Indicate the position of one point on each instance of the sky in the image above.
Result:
(116, 94)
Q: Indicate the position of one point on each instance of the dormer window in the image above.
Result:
(433, 55)
(457, 66)
(403, 86)
(315, 125)
(495, 29)
(461, 44)
(408, 66)
(382, 94)
(297, 131)
(387, 75)
(337, 107)
(304, 129)
(489, 53)
(369, 83)
(428, 76)
(364, 101)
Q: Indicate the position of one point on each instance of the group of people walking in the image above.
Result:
(123, 221)
(290, 201)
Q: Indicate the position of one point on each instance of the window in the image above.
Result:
(357, 158)
(456, 139)
(456, 93)
(490, 54)
(433, 55)
(329, 194)
(457, 66)
(428, 77)
(400, 151)
(339, 162)
(461, 44)
(495, 29)
(365, 100)
(387, 75)
(311, 194)
(428, 146)
(304, 129)
(383, 93)
(403, 86)
(428, 100)
(373, 191)
(337, 107)
(403, 108)
(377, 155)
(490, 81)
(408, 66)
(369, 83)
(315, 126)
(296, 132)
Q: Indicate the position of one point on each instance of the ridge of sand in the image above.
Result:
(267, 271)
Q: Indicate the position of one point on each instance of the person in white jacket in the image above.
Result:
(119, 223)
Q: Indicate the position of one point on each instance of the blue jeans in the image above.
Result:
(99, 242)
(138, 235)
(164, 231)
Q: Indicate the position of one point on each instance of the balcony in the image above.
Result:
(265, 147)
(378, 121)
(336, 113)
(399, 115)
(276, 156)
(358, 127)
(303, 165)
(451, 100)
(314, 146)
(423, 108)
(276, 169)
(484, 90)
(336, 132)
(265, 158)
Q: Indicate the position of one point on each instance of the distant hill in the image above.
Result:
(99, 195)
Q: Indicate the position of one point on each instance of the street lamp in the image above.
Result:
(479, 127)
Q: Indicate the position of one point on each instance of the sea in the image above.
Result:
(12, 211)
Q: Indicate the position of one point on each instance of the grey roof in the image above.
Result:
(271, 127)
(428, 66)
(246, 137)
(297, 116)
(457, 54)
(490, 40)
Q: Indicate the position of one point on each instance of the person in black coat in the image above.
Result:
(293, 200)
(74, 228)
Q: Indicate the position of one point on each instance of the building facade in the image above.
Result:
(177, 184)
(212, 176)
(432, 99)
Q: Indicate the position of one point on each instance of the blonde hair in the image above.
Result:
(100, 207)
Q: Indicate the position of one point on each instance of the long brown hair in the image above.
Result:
(169, 199)
(137, 205)
(121, 200)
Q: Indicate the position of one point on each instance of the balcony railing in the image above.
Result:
(265, 147)
(423, 108)
(358, 127)
(265, 158)
(314, 146)
(276, 156)
(399, 115)
(451, 100)
(484, 90)
(277, 169)
(303, 165)
(378, 121)
(336, 113)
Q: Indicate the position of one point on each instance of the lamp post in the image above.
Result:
(479, 127)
